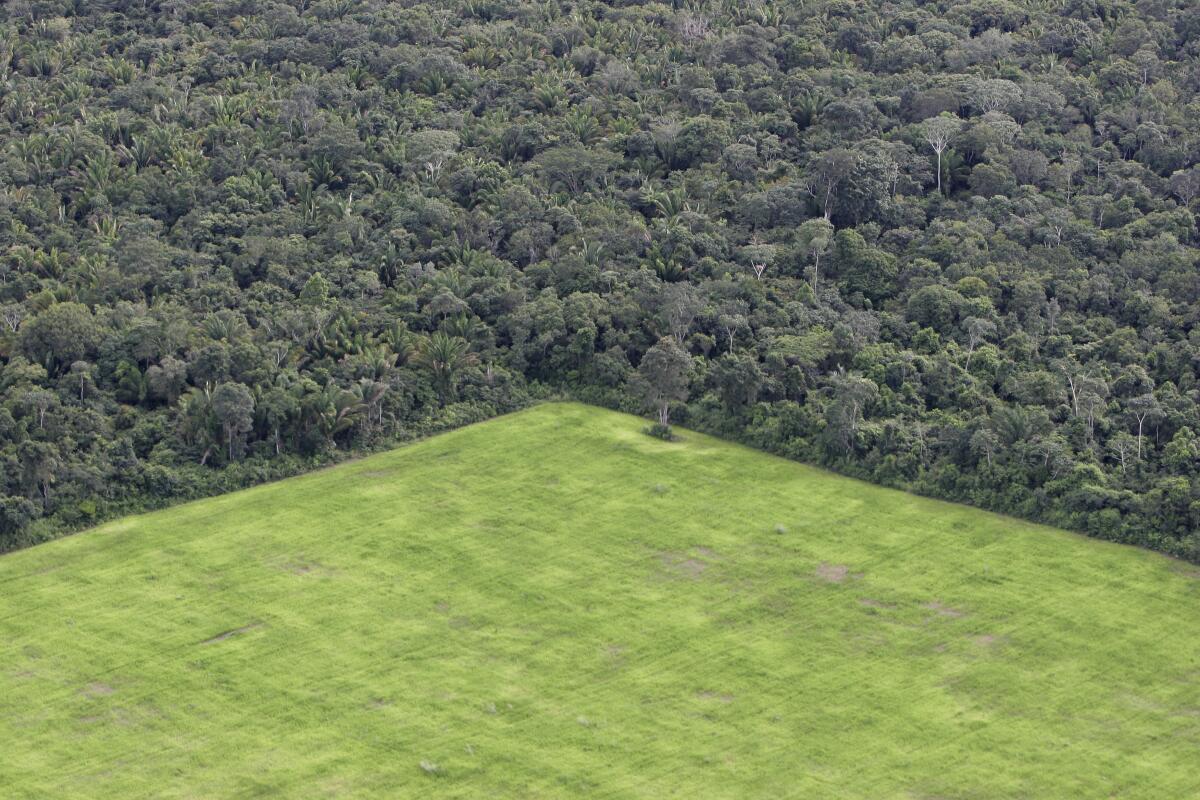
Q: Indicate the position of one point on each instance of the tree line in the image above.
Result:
(948, 247)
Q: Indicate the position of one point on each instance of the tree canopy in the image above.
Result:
(949, 247)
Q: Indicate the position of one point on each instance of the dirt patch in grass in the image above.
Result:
(614, 658)
(1149, 704)
(615, 655)
(692, 567)
(97, 690)
(944, 610)
(833, 573)
(301, 567)
(692, 564)
(220, 637)
(113, 716)
(720, 697)
(298, 564)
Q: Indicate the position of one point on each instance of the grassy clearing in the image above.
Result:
(552, 604)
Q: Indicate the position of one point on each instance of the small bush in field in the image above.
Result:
(660, 431)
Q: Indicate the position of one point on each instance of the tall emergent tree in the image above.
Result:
(938, 132)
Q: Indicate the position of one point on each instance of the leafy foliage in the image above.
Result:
(945, 247)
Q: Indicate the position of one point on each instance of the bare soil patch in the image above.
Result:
(720, 697)
(97, 690)
(614, 657)
(945, 611)
(692, 564)
(833, 573)
(307, 568)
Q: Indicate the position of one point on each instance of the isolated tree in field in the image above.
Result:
(445, 357)
(233, 406)
(663, 377)
(815, 236)
(938, 132)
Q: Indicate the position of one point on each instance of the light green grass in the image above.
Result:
(552, 604)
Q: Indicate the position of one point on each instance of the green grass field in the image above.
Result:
(552, 604)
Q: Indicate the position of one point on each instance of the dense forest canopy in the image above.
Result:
(946, 246)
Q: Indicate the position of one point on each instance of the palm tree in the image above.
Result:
(445, 356)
